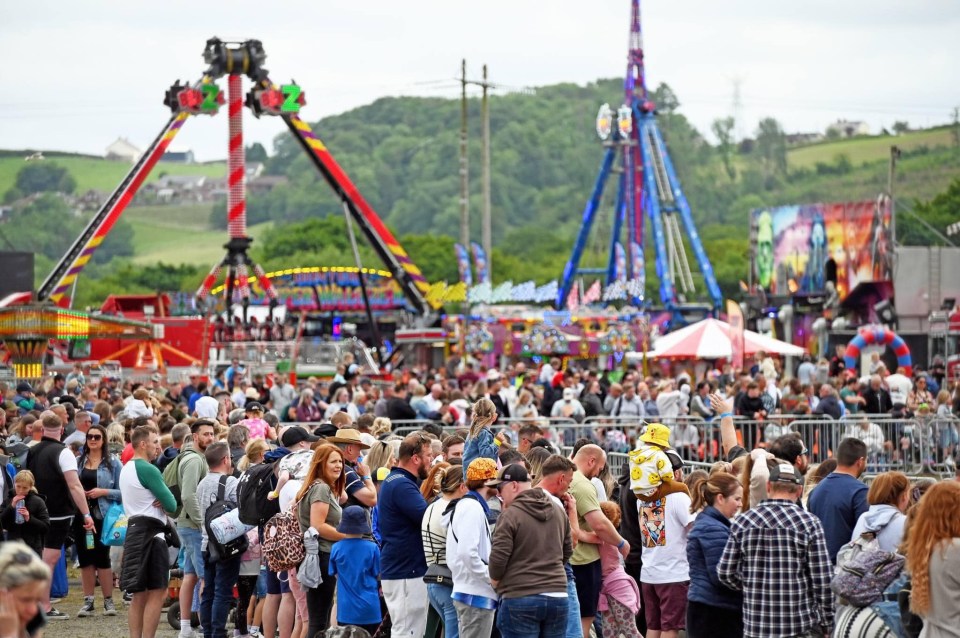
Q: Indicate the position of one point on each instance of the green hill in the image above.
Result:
(100, 174)
(402, 155)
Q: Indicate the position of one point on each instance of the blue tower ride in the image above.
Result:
(648, 187)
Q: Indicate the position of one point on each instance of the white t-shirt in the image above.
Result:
(68, 463)
(289, 493)
(663, 529)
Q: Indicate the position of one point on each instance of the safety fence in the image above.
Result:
(912, 445)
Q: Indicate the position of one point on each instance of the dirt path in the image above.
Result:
(97, 626)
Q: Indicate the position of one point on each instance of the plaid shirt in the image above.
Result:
(777, 557)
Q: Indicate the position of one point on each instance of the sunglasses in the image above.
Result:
(94, 437)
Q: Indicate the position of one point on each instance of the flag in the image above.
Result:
(480, 263)
(592, 294)
(620, 262)
(463, 264)
(735, 319)
(572, 302)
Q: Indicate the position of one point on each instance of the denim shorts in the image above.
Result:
(191, 539)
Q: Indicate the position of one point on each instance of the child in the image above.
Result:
(356, 563)
(292, 466)
(619, 594)
(247, 584)
(253, 419)
(649, 464)
(481, 441)
(25, 517)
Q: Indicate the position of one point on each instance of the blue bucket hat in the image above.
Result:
(354, 521)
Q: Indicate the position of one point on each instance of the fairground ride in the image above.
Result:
(235, 60)
(265, 98)
(647, 187)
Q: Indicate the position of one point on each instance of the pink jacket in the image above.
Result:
(617, 583)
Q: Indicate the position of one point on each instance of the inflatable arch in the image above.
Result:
(880, 337)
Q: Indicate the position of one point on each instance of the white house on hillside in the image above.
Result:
(845, 128)
(123, 150)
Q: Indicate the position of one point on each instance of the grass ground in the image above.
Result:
(867, 149)
(101, 174)
(178, 235)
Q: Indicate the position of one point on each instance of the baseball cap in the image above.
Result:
(252, 406)
(512, 473)
(23, 386)
(568, 393)
(296, 434)
(785, 473)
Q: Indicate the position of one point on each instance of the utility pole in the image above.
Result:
(464, 181)
(486, 232)
(891, 174)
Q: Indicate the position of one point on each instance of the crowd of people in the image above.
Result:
(445, 502)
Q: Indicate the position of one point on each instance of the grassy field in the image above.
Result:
(178, 234)
(867, 149)
(104, 175)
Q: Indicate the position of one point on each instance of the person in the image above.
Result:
(55, 468)
(355, 563)
(33, 521)
(665, 519)
(619, 594)
(359, 482)
(569, 407)
(933, 560)
(24, 578)
(453, 449)
(402, 562)
(434, 537)
(713, 609)
(841, 498)
(480, 440)
(179, 433)
(871, 434)
(595, 528)
(255, 423)
(530, 544)
(556, 474)
(100, 477)
(191, 469)
(628, 404)
(889, 498)
(777, 556)
(146, 499)
(829, 404)
(468, 552)
(220, 573)
(319, 514)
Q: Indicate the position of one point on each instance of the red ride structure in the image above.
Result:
(236, 60)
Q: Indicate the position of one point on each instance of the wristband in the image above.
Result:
(497, 442)
(87, 515)
(623, 542)
(726, 414)
(366, 478)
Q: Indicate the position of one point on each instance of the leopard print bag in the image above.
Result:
(282, 545)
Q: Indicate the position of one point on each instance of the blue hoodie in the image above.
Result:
(887, 521)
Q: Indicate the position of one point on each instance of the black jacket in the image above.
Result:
(878, 401)
(32, 532)
(630, 517)
(399, 410)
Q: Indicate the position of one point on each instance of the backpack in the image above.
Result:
(864, 571)
(221, 506)
(252, 495)
(282, 545)
(171, 478)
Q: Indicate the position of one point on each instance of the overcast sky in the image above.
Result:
(79, 74)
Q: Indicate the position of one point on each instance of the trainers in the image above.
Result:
(87, 609)
(56, 614)
(127, 598)
(109, 609)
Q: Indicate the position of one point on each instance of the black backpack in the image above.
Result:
(222, 551)
(252, 495)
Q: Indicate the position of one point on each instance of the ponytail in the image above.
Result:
(705, 491)
(484, 414)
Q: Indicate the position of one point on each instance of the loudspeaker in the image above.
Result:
(886, 313)
(16, 273)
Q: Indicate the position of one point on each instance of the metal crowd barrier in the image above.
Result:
(911, 445)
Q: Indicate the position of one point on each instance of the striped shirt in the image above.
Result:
(777, 556)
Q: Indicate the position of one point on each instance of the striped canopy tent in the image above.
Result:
(709, 339)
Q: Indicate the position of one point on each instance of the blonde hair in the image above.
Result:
(20, 565)
(381, 425)
(254, 448)
(26, 477)
(484, 414)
